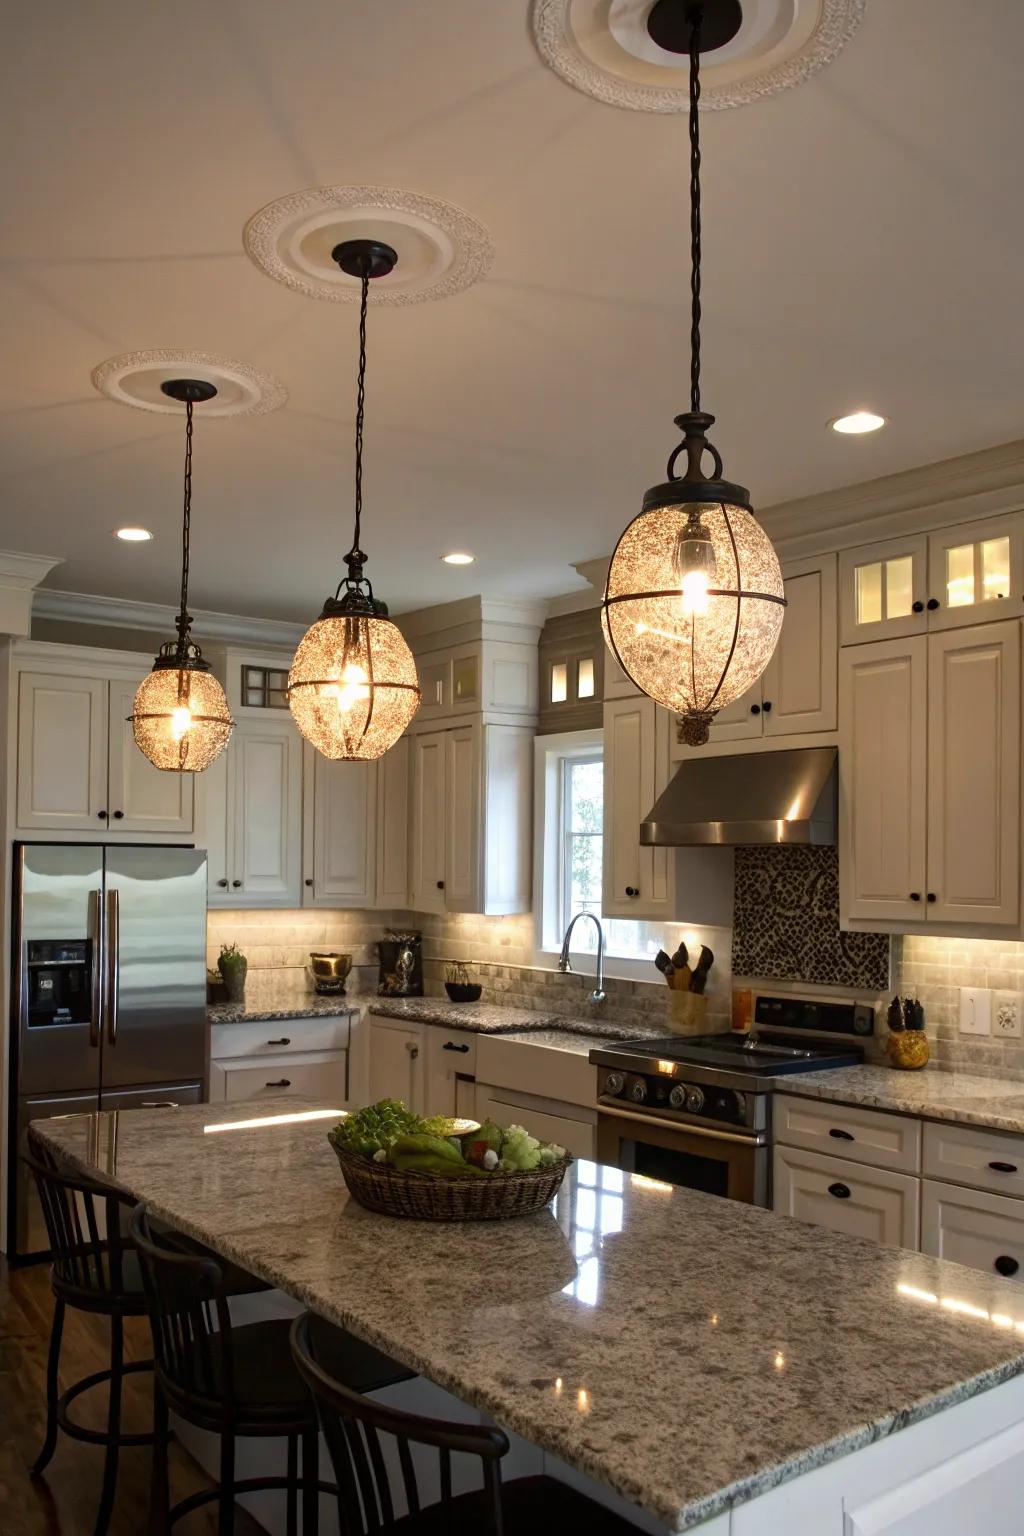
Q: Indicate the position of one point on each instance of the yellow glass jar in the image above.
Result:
(908, 1049)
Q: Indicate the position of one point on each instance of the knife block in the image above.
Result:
(687, 1012)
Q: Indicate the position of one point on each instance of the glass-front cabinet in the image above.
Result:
(968, 574)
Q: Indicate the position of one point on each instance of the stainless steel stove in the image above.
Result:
(697, 1110)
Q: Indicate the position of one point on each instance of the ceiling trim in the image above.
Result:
(125, 613)
(19, 576)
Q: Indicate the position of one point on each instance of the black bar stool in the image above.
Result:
(96, 1270)
(353, 1427)
(235, 1381)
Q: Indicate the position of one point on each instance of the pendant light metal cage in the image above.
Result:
(180, 717)
(352, 687)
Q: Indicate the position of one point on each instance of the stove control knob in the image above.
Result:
(638, 1092)
(695, 1100)
(677, 1098)
(614, 1083)
(739, 1104)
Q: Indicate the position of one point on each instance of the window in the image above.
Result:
(264, 688)
(570, 805)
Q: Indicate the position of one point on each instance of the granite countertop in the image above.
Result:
(689, 1352)
(311, 1006)
(994, 1102)
(495, 1019)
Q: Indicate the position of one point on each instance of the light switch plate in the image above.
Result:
(1008, 1015)
(975, 1011)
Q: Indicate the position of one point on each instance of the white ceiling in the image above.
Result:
(862, 247)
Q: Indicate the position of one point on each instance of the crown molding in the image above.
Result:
(19, 576)
(124, 613)
(473, 618)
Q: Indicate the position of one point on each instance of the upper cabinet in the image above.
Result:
(78, 768)
(339, 832)
(929, 781)
(969, 574)
(636, 881)
(253, 808)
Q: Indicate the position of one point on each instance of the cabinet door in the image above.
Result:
(142, 798)
(739, 721)
(628, 795)
(846, 1197)
(507, 822)
(976, 572)
(883, 780)
(216, 827)
(266, 795)
(799, 683)
(393, 786)
(883, 589)
(577, 1136)
(968, 1227)
(450, 1061)
(344, 812)
(428, 822)
(397, 1063)
(463, 851)
(62, 753)
(974, 774)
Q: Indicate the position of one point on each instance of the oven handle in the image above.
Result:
(758, 1139)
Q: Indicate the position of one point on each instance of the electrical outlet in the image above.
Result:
(975, 1011)
(1008, 1015)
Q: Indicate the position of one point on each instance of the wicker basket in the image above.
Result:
(428, 1197)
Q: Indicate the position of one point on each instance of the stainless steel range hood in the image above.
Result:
(757, 797)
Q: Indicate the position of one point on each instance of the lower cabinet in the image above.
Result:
(847, 1197)
(570, 1125)
(397, 1063)
(253, 813)
(450, 1086)
(971, 1227)
(275, 1058)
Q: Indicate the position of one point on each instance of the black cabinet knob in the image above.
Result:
(440, 885)
(767, 706)
(1003, 1167)
(915, 895)
(755, 709)
(1004, 1265)
(841, 1135)
(918, 607)
(632, 890)
(102, 815)
(119, 815)
(236, 884)
(932, 896)
(282, 1082)
(841, 1191)
(933, 603)
(223, 884)
(309, 882)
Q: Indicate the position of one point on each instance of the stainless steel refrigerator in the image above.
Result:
(109, 991)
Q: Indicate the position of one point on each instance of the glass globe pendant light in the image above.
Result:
(180, 717)
(352, 688)
(694, 601)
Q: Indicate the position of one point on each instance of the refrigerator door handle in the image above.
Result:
(113, 963)
(96, 965)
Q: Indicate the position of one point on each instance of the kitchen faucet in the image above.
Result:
(598, 994)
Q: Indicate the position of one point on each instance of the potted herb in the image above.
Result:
(233, 965)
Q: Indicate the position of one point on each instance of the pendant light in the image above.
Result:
(180, 717)
(694, 600)
(352, 688)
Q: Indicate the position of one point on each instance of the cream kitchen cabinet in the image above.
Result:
(847, 1197)
(397, 1068)
(339, 832)
(254, 817)
(471, 819)
(969, 1227)
(449, 1085)
(271, 1059)
(392, 830)
(78, 768)
(929, 780)
(637, 882)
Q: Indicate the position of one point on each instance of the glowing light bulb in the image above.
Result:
(353, 688)
(181, 721)
(695, 565)
(695, 586)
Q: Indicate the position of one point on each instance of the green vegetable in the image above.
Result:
(421, 1143)
(519, 1151)
(429, 1162)
(373, 1129)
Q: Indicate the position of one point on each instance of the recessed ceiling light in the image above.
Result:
(458, 558)
(857, 423)
(133, 535)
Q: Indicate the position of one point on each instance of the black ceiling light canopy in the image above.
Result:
(670, 24)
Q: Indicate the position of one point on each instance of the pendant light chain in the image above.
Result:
(184, 620)
(696, 23)
(356, 555)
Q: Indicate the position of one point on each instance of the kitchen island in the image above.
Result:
(713, 1364)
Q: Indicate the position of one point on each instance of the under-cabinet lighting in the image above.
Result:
(296, 1119)
(857, 423)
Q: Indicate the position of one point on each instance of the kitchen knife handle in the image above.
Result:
(113, 962)
(96, 953)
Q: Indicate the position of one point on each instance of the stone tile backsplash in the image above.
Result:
(934, 970)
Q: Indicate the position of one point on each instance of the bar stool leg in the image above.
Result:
(159, 1491)
(52, 1390)
(226, 1502)
(113, 1427)
(292, 1473)
(310, 1479)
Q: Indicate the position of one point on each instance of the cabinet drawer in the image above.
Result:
(968, 1227)
(539, 1069)
(578, 1137)
(324, 1078)
(847, 1197)
(277, 1037)
(859, 1135)
(451, 1049)
(961, 1154)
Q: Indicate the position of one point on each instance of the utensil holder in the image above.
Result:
(687, 1012)
(908, 1049)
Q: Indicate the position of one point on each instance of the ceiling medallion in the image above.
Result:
(138, 379)
(617, 52)
(440, 248)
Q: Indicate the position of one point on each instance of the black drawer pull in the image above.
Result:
(284, 1040)
(1003, 1167)
(282, 1082)
(450, 1045)
(841, 1191)
(1004, 1265)
(842, 1135)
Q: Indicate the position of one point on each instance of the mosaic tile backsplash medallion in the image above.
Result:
(786, 922)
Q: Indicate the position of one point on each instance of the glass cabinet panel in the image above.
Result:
(899, 587)
(559, 682)
(960, 575)
(995, 569)
(465, 684)
(869, 593)
(585, 678)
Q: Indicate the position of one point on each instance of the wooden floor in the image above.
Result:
(63, 1501)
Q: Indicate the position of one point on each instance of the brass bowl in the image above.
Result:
(328, 966)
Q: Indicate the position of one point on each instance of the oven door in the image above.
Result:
(730, 1163)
